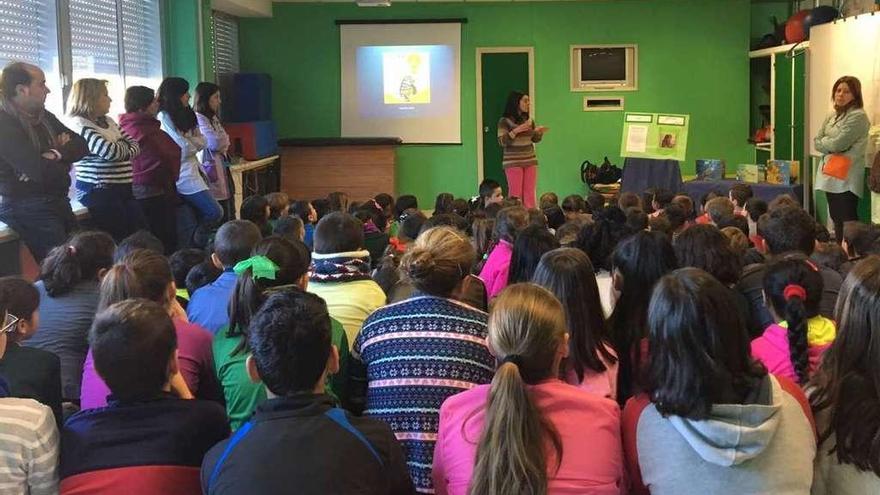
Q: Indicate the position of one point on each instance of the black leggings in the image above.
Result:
(843, 207)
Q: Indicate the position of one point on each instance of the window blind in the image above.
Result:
(94, 38)
(142, 46)
(28, 32)
(224, 43)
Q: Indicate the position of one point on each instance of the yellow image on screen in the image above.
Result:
(406, 78)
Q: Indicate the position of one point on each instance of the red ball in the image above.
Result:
(794, 28)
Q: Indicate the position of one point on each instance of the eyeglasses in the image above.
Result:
(9, 323)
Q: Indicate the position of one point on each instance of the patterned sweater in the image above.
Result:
(415, 354)
(110, 153)
(518, 151)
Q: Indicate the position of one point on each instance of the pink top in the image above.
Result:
(194, 356)
(603, 384)
(589, 427)
(494, 273)
(772, 350)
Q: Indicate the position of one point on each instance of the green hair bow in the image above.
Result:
(260, 266)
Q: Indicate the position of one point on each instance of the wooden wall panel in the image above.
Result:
(309, 172)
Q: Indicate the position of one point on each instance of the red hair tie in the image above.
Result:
(794, 290)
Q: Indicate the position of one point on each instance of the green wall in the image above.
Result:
(763, 10)
(180, 32)
(692, 59)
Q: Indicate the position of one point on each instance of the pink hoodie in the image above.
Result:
(494, 273)
(772, 349)
(588, 425)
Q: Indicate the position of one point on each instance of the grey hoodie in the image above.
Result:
(765, 447)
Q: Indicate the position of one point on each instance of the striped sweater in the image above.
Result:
(110, 153)
(518, 151)
(28, 448)
(417, 353)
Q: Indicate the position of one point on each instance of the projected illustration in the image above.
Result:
(406, 77)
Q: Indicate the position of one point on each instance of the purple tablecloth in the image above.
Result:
(643, 173)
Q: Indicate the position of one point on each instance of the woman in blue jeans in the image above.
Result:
(179, 120)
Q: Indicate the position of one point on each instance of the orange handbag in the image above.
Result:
(837, 166)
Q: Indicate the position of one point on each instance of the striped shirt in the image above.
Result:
(418, 352)
(28, 447)
(518, 151)
(110, 152)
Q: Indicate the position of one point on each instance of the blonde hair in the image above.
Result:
(526, 330)
(737, 239)
(83, 99)
(438, 260)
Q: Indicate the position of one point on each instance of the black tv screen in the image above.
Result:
(603, 64)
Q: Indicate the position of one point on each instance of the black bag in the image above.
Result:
(607, 173)
(589, 172)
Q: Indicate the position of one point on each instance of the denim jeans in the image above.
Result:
(113, 209)
(197, 218)
(42, 222)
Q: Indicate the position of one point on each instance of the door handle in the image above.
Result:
(486, 129)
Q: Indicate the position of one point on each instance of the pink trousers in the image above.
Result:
(521, 184)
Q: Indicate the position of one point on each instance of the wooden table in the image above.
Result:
(238, 171)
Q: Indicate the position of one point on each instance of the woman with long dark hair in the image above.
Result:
(846, 394)
(528, 433)
(530, 244)
(711, 419)
(637, 264)
(842, 140)
(179, 121)
(213, 157)
(591, 362)
(517, 135)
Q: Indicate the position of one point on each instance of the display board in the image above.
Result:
(661, 136)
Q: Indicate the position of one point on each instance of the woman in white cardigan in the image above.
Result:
(179, 120)
(213, 157)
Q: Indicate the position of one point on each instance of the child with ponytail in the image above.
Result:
(528, 432)
(69, 290)
(276, 264)
(793, 346)
(147, 275)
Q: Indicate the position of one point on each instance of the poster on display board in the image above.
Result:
(660, 136)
